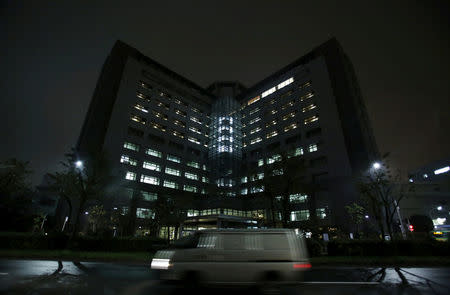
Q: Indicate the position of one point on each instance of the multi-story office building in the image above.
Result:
(167, 136)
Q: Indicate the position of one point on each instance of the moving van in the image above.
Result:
(235, 256)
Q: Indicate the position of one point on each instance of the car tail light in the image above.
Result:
(302, 265)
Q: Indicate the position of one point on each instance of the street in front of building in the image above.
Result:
(66, 277)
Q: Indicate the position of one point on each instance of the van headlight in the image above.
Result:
(160, 263)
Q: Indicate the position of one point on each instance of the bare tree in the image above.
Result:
(382, 193)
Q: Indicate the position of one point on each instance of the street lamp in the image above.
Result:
(376, 165)
(439, 208)
(79, 164)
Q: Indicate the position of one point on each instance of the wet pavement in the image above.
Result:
(66, 277)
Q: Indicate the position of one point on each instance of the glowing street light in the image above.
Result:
(79, 164)
(376, 165)
(439, 208)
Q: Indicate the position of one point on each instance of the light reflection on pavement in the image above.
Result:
(48, 277)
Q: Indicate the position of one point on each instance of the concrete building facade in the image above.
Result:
(167, 136)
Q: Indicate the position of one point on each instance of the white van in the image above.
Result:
(237, 256)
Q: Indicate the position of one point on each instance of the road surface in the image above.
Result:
(52, 277)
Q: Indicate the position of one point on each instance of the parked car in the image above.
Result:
(235, 256)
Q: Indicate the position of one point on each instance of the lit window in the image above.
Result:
(309, 107)
(257, 189)
(260, 162)
(244, 179)
(195, 119)
(277, 172)
(298, 198)
(299, 215)
(273, 111)
(159, 115)
(272, 134)
(244, 191)
(311, 119)
(181, 113)
(321, 213)
(441, 170)
(290, 115)
(205, 179)
(298, 152)
(131, 146)
(153, 153)
(290, 127)
(196, 110)
(306, 96)
(144, 213)
(148, 196)
(254, 111)
(304, 85)
(177, 101)
(151, 166)
(285, 83)
(163, 94)
(271, 123)
(268, 92)
(255, 140)
(193, 164)
(144, 85)
(141, 108)
(127, 160)
(312, 147)
(196, 130)
(254, 130)
(193, 139)
(288, 105)
(192, 176)
(149, 179)
(172, 171)
(170, 184)
(254, 120)
(274, 158)
(253, 100)
(143, 96)
(190, 188)
(179, 123)
(177, 134)
(272, 101)
(173, 158)
(130, 175)
(158, 126)
(138, 119)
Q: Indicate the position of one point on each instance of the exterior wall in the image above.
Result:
(133, 88)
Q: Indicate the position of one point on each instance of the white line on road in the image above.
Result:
(342, 283)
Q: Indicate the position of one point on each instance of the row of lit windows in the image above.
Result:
(226, 211)
(301, 215)
(163, 94)
(151, 152)
(155, 181)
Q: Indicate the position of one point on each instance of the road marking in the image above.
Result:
(342, 283)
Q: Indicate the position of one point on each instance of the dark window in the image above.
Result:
(156, 138)
(292, 139)
(135, 132)
(255, 152)
(176, 145)
(193, 151)
(273, 146)
(319, 177)
(319, 162)
(313, 132)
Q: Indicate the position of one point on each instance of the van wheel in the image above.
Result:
(270, 284)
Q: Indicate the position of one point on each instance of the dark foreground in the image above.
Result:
(53, 277)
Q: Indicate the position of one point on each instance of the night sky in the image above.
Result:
(51, 54)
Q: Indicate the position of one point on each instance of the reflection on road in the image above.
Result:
(53, 277)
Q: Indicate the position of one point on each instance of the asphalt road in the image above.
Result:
(66, 277)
